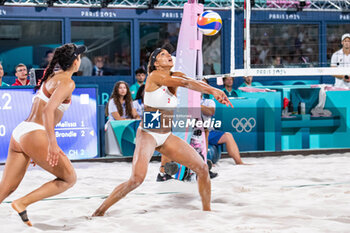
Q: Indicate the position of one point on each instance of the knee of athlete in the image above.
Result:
(10, 190)
(6, 190)
(137, 180)
(72, 178)
(203, 169)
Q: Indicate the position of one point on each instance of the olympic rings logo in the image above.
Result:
(243, 124)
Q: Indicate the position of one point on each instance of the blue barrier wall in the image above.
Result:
(257, 124)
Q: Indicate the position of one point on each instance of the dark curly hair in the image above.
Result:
(115, 97)
(64, 56)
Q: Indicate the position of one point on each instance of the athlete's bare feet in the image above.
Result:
(21, 210)
(98, 212)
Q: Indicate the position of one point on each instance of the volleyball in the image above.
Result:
(209, 23)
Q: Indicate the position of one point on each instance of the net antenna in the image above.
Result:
(247, 15)
(232, 67)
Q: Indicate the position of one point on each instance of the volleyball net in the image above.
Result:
(284, 44)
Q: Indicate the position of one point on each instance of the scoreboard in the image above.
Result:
(77, 133)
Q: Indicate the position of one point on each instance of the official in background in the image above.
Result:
(341, 58)
(99, 68)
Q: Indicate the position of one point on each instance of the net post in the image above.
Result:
(247, 15)
(232, 67)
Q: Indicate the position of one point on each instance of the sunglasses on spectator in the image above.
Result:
(21, 70)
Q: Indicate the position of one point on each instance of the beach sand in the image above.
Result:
(274, 194)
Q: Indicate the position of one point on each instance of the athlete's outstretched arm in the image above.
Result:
(182, 75)
(163, 79)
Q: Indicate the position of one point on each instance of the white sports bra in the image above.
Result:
(160, 98)
(44, 95)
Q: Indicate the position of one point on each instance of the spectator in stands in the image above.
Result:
(22, 75)
(341, 58)
(2, 84)
(47, 59)
(217, 137)
(120, 105)
(228, 87)
(99, 69)
(248, 82)
(264, 52)
(86, 67)
(140, 80)
(277, 62)
(208, 68)
(138, 102)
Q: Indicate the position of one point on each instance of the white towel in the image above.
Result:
(319, 109)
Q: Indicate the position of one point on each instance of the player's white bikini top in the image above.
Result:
(160, 98)
(45, 96)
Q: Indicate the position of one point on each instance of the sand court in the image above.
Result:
(274, 194)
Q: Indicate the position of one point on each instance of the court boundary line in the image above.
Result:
(257, 154)
(99, 196)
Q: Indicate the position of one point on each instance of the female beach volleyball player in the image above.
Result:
(160, 96)
(34, 139)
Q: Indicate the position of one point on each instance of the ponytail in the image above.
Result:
(64, 56)
(48, 72)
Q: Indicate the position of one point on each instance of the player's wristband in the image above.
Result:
(346, 77)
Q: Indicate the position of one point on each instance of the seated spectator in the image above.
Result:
(85, 68)
(22, 75)
(217, 137)
(277, 62)
(47, 59)
(99, 68)
(2, 84)
(140, 75)
(228, 87)
(248, 82)
(120, 106)
(138, 102)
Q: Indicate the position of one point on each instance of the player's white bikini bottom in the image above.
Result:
(159, 137)
(25, 127)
